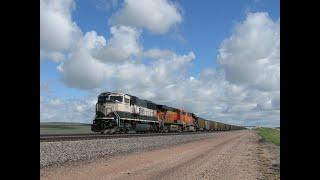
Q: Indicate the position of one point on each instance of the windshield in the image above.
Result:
(102, 98)
(116, 98)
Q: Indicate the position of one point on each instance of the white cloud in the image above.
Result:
(122, 45)
(276, 101)
(92, 63)
(158, 16)
(80, 108)
(93, 42)
(250, 59)
(83, 71)
(55, 102)
(56, 26)
(58, 33)
(55, 56)
(156, 53)
(251, 56)
(69, 110)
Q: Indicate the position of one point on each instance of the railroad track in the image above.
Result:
(76, 137)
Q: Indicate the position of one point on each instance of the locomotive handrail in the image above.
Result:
(118, 118)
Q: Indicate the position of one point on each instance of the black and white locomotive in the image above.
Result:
(119, 112)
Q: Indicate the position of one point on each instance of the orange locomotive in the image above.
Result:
(169, 119)
(189, 120)
(172, 119)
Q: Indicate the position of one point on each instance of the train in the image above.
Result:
(123, 113)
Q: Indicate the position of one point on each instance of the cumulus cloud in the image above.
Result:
(157, 53)
(251, 56)
(122, 45)
(145, 80)
(69, 110)
(55, 56)
(58, 33)
(56, 26)
(93, 61)
(158, 16)
(83, 71)
(93, 42)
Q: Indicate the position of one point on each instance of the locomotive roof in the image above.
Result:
(150, 103)
(109, 93)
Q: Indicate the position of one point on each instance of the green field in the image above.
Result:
(270, 135)
(64, 128)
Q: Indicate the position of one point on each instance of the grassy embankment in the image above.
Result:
(270, 134)
(64, 128)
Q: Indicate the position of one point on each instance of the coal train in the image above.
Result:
(122, 113)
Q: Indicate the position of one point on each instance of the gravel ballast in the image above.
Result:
(57, 153)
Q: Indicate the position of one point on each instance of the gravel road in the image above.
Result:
(227, 155)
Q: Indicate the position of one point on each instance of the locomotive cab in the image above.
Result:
(110, 102)
(118, 112)
(106, 110)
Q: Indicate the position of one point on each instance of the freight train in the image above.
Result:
(121, 113)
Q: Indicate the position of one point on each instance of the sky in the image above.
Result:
(218, 59)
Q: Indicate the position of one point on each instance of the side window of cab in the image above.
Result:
(126, 100)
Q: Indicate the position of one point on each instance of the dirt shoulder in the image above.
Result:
(268, 159)
(232, 155)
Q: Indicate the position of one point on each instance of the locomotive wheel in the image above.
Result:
(106, 131)
(127, 131)
(113, 130)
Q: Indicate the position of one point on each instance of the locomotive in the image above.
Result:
(121, 113)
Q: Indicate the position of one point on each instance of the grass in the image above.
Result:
(64, 128)
(270, 135)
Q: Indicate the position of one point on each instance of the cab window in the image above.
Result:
(116, 98)
(126, 100)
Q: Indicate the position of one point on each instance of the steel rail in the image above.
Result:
(91, 136)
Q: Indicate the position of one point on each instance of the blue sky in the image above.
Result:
(203, 28)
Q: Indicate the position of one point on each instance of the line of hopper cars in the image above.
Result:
(119, 112)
